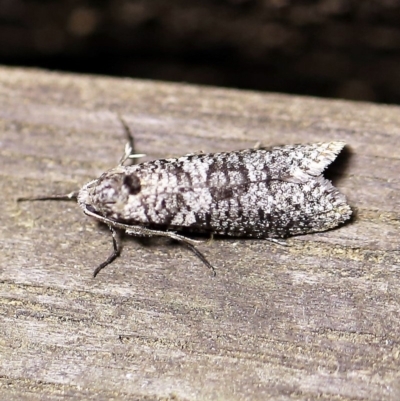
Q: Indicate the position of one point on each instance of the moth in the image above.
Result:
(269, 193)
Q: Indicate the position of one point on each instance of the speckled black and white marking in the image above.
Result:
(263, 193)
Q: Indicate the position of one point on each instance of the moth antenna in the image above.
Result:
(70, 196)
(130, 146)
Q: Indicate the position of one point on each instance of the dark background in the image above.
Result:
(334, 48)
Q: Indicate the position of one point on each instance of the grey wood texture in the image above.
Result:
(317, 319)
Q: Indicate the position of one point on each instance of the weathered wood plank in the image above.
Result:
(320, 318)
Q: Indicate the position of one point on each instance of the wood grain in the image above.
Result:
(318, 319)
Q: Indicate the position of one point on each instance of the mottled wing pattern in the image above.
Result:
(263, 193)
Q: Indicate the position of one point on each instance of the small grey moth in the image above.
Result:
(269, 193)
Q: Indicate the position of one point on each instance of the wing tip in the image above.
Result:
(337, 199)
(327, 153)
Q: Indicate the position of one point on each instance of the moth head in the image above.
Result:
(109, 194)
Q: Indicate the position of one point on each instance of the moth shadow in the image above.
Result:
(336, 171)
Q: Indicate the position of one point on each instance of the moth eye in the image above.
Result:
(132, 182)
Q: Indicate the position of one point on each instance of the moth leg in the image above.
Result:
(277, 241)
(257, 145)
(117, 246)
(201, 257)
(200, 152)
(211, 239)
(188, 242)
(141, 231)
(148, 232)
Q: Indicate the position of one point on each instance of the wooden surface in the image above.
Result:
(318, 319)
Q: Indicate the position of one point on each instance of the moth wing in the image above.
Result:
(307, 161)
